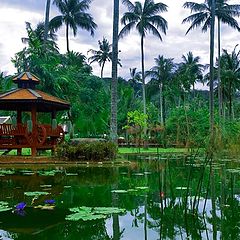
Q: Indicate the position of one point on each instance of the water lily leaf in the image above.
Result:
(138, 174)
(45, 186)
(142, 188)
(4, 206)
(108, 210)
(34, 194)
(119, 191)
(45, 207)
(71, 174)
(181, 188)
(88, 213)
(84, 217)
(131, 190)
(6, 172)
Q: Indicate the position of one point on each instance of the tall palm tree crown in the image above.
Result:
(146, 19)
(191, 69)
(102, 55)
(160, 74)
(202, 14)
(73, 14)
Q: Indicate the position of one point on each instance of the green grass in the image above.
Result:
(123, 150)
(26, 152)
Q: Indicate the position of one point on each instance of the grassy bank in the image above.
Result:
(124, 150)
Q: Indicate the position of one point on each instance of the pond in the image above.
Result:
(152, 197)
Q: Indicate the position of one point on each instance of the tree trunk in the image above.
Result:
(219, 72)
(46, 25)
(161, 104)
(143, 84)
(67, 39)
(113, 123)
(102, 69)
(211, 94)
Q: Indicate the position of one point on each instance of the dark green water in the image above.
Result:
(163, 198)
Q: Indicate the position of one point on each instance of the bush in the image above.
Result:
(88, 151)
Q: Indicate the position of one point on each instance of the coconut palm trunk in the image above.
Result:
(143, 82)
(161, 103)
(103, 64)
(67, 37)
(219, 72)
(211, 94)
(46, 25)
(113, 123)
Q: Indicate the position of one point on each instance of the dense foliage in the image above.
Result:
(176, 113)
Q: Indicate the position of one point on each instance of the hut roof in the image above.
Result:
(24, 98)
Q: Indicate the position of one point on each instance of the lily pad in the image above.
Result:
(71, 174)
(45, 186)
(142, 188)
(119, 191)
(45, 207)
(181, 188)
(6, 172)
(88, 213)
(4, 206)
(34, 194)
(84, 217)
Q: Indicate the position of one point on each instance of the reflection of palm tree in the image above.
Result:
(145, 18)
(73, 14)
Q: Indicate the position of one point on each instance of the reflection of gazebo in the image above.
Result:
(32, 135)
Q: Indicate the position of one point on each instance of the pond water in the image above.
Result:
(153, 197)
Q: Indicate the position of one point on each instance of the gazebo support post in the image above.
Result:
(19, 121)
(34, 130)
(53, 115)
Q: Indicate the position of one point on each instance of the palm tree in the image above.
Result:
(191, 70)
(146, 19)
(46, 25)
(114, 83)
(202, 16)
(161, 73)
(225, 13)
(102, 55)
(230, 71)
(73, 14)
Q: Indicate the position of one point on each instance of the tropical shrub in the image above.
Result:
(87, 151)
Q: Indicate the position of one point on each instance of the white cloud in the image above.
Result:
(14, 14)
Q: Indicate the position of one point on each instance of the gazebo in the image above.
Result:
(25, 98)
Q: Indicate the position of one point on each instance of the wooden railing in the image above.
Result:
(17, 136)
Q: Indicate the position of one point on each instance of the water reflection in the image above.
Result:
(165, 197)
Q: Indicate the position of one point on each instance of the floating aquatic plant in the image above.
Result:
(34, 194)
(71, 174)
(88, 213)
(45, 207)
(45, 186)
(6, 172)
(4, 206)
(131, 190)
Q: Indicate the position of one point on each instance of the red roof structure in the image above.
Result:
(26, 98)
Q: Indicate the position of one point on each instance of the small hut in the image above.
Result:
(26, 98)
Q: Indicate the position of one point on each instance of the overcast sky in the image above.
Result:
(14, 14)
